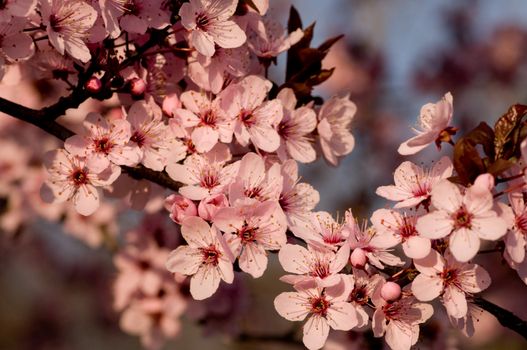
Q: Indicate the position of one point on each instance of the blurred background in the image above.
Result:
(56, 290)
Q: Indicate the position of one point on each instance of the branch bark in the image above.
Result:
(505, 317)
(50, 126)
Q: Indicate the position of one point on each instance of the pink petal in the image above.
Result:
(416, 247)
(455, 302)
(430, 265)
(86, 200)
(478, 281)
(205, 282)
(291, 306)
(228, 220)
(342, 316)
(464, 244)
(316, 332)
(18, 46)
(185, 260)
(203, 42)
(446, 196)
(426, 288)
(204, 138)
(226, 34)
(437, 224)
(490, 226)
(253, 259)
(294, 258)
(196, 232)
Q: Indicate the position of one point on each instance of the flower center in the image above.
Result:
(319, 305)
(202, 20)
(139, 138)
(320, 269)
(253, 192)
(79, 177)
(210, 255)
(133, 7)
(359, 295)
(209, 179)
(247, 117)
(103, 145)
(521, 223)
(448, 276)
(247, 234)
(208, 118)
(407, 228)
(462, 218)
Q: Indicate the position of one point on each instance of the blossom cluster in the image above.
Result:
(187, 99)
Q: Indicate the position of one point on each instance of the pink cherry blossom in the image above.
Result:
(155, 318)
(295, 129)
(402, 227)
(316, 263)
(153, 138)
(362, 291)
(375, 244)
(16, 8)
(206, 258)
(399, 321)
(104, 142)
(413, 184)
(141, 269)
(269, 38)
(209, 206)
(212, 73)
(323, 310)
(203, 175)
(208, 22)
(465, 217)
(209, 121)
(434, 120)
(139, 15)
(14, 43)
(449, 278)
(71, 179)
(250, 231)
(324, 230)
(68, 24)
(180, 207)
(255, 120)
(297, 199)
(334, 119)
(515, 243)
(254, 183)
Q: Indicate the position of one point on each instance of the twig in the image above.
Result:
(505, 317)
(33, 117)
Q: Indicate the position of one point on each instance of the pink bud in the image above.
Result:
(208, 207)
(137, 87)
(180, 207)
(93, 85)
(170, 103)
(358, 258)
(390, 291)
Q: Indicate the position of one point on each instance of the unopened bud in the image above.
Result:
(93, 85)
(390, 291)
(358, 258)
(137, 87)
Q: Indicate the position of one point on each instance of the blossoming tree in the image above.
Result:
(189, 128)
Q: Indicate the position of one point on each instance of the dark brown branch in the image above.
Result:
(33, 117)
(505, 317)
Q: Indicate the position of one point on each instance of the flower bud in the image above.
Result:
(390, 291)
(137, 87)
(484, 182)
(358, 258)
(93, 85)
(180, 207)
(171, 102)
(209, 206)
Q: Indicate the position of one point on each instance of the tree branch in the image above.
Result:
(50, 126)
(505, 317)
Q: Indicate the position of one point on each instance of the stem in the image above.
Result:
(50, 126)
(505, 317)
